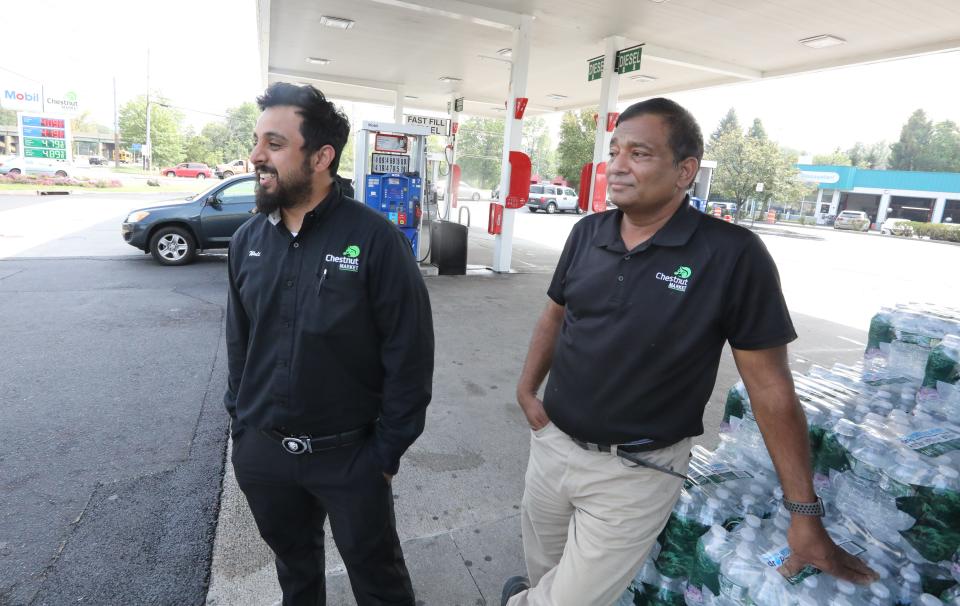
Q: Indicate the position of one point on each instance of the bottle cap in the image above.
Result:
(722, 493)
(928, 600)
(880, 590)
(752, 521)
(846, 587)
(910, 575)
(748, 534)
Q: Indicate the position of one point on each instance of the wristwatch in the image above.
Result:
(805, 509)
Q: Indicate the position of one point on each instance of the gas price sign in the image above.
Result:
(390, 163)
(44, 137)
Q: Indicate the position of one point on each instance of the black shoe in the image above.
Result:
(512, 587)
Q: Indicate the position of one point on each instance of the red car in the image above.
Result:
(195, 170)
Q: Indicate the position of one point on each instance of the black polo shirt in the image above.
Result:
(643, 330)
(329, 330)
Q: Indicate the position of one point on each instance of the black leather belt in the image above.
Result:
(629, 453)
(637, 446)
(309, 444)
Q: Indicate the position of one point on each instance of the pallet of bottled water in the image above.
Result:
(885, 447)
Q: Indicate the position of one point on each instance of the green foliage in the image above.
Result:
(539, 146)
(909, 153)
(728, 124)
(85, 125)
(935, 231)
(8, 117)
(757, 131)
(164, 129)
(943, 152)
(744, 161)
(241, 121)
(835, 158)
(480, 151)
(577, 136)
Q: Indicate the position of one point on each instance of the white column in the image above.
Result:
(938, 208)
(454, 117)
(835, 202)
(609, 89)
(512, 132)
(884, 208)
(398, 106)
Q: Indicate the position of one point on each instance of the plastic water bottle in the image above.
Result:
(926, 599)
(908, 586)
(880, 595)
(740, 572)
(773, 591)
(704, 579)
(850, 594)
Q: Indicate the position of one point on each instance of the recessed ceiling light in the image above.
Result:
(449, 79)
(658, 1)
(336, 22)
(505, 52)
(318, 60)
(822, 41)
(643, 78)
(556, 96)
(410, 97)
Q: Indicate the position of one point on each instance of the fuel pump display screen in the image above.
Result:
(390, 163)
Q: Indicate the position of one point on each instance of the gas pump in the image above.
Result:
(392, 161)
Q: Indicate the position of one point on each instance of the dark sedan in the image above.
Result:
(175, 232)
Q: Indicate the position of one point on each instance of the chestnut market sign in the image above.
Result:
(22, 95)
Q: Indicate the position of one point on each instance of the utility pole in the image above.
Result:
(147, 155)
(116, 128)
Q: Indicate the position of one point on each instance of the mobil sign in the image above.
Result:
(21, 96)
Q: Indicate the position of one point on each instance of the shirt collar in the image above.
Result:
(318, 211)
(675, 232)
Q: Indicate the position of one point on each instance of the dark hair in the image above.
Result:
(323, 123)
(686, 140)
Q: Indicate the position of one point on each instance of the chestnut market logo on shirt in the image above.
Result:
(349, 261)
(678, 281)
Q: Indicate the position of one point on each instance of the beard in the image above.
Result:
(287, 192)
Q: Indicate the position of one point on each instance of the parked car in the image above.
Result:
(15, 165)
(234, 167)
(552, 198)
(852, 219)
(465, 191)
(896, 227)
(194, 170)
(96, 160)
(176, 231)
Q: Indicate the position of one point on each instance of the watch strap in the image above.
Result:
(805, 509)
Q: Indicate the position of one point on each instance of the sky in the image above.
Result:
(204, 58)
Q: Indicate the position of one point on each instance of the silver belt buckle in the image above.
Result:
(296, 446)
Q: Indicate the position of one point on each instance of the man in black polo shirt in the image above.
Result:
(330, 349)
(641, 303)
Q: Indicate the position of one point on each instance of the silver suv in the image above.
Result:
(852, 219)
(552, 198)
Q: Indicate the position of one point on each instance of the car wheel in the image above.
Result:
(531, 209)
(227, 174)
(884, 232)
(551, 208)
(171, 174)
(579, 210)
(173, 246)
(14, 171)
(60, 173)
(201, 176)
(475, 196)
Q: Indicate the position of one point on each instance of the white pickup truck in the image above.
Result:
(234, 167)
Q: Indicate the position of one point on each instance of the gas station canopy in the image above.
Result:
(423, 51)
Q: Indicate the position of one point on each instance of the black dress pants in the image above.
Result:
(291, 496)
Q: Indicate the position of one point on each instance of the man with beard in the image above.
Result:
(330, 354)
(642, 301)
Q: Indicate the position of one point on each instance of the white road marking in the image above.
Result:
(852, 341)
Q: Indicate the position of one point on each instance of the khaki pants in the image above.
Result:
(589, 519)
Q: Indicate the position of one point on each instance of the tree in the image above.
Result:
(835, 158)
(538, 145)
(728, 124)
(577, 137)
(757, 131)
(241, 121)
(8, 117)
(910, 152)
(943, 152)
(878, 156)
(480, 151)
(164, 129)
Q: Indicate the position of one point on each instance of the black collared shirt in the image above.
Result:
(643, 330)
(329, 330)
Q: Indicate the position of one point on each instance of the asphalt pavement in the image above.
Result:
(113, 437)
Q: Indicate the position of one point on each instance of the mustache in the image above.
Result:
(266, 170)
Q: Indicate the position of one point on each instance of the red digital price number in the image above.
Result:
(51, 133)
(52, 122)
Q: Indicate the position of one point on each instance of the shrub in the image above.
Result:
(936, 231)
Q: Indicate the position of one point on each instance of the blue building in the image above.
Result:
(885, 194)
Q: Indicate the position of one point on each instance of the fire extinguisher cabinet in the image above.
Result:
(448, 248)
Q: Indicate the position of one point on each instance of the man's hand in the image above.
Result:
(532, 408)
(810, 544)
